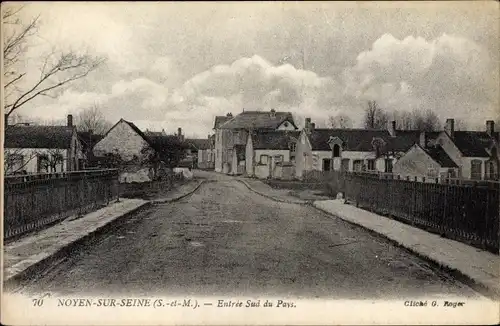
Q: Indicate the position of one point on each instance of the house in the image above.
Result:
(221, 138)
(338, 149)
(271, 154)
(231, 136)
(42, 149)
(202, 150)
(475, 152)
(126, 144)
(426, 160)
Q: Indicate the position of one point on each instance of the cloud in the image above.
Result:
(450, 74)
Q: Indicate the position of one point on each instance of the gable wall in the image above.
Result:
(122, 139)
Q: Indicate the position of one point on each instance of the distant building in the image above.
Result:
(426, 160)
(202, 151)
(271, 154)
(42, 149)
(232, 133)
(475, 152)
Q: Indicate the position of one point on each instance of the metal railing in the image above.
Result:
(33, 201)
(466, 213)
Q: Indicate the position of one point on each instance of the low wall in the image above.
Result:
(295, 185)
(144, 190)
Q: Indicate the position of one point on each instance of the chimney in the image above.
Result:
(423, 139)
(450, 127)
(490, 127)
(308, 123)
(229, 115)
(273, 113)
(391, 128)
(179, 133)
(312, 126)
(70, 120)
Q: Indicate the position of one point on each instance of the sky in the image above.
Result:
(173, 65)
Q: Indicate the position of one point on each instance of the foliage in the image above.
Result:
(165, 151)
(92, 120)
(375, 117)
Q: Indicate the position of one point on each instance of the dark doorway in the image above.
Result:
(327, 164)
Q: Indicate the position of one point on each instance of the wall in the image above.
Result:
(31, 160)
(466, 166)
(114, 142)
(416, 163)
(303, 148)
(261, 171)
(249, 157)
(317, 159)
(218, 150)
(353, 155)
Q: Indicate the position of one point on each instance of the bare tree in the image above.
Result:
(92, 119)
(375, 117)
(340, 121)
(403, 120)
(58, 68)
(425, 120)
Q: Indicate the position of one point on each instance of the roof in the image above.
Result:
(220, 119)
(354, 139)
(88, 139)
(438, 154)
(38, 137)
(405, 139)
(473, 143)
(273, 139)
(153, 133)
(199, 143)
(258, 120)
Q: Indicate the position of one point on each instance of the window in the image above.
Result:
(432, 173)
(388, 165)
(371, 165)
(336, 150)
(42, 165)
(292, 146)
(264, 159)
(327, 164)
(345, 164)
(15, 162)
(475, 169)
(357, 165)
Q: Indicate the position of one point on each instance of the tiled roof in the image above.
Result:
(439, 155)
(199, 143)
(258, 120)
(273, 139)
(354, 139)
(473, 143)
(153, 133)
(220, 119)
(38, 137)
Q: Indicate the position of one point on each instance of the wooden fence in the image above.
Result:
(34, 201)
(466, 213)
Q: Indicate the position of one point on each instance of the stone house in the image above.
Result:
(475, 152)
(127, 142)
(271, 154)
(426, 160)
(42, 149)
(232, 135)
